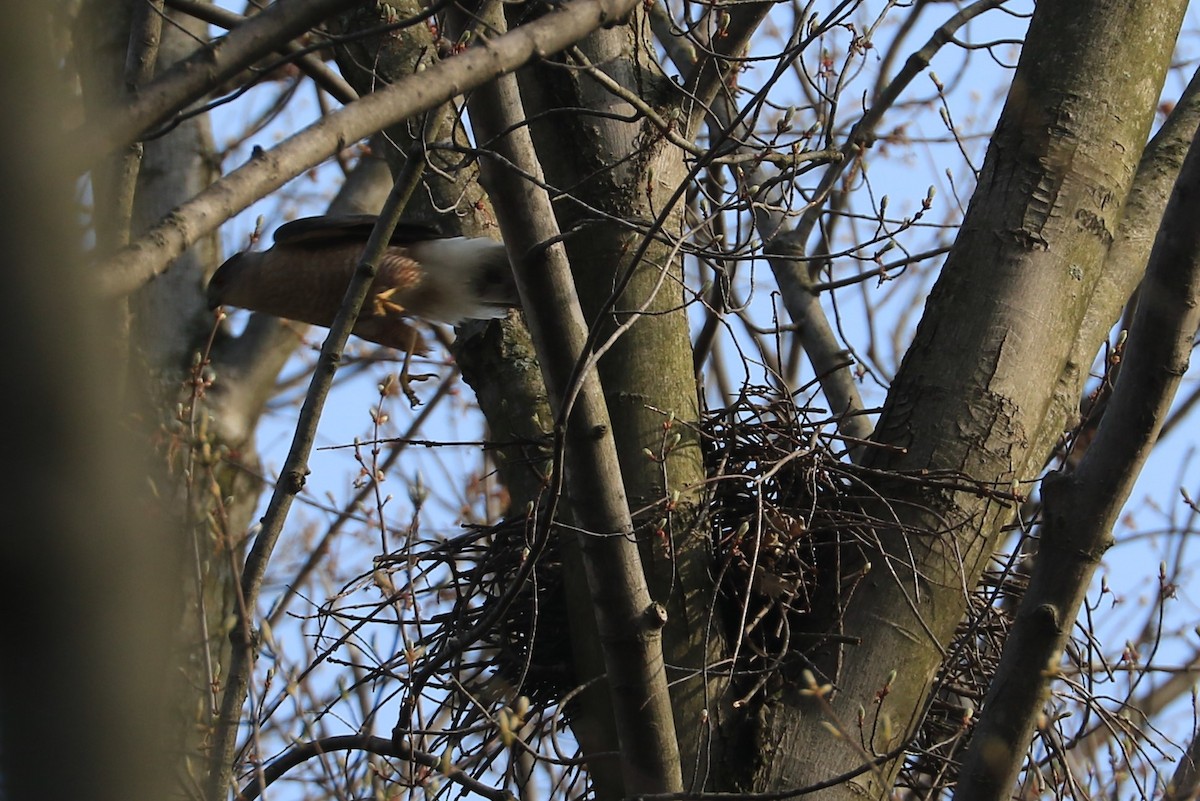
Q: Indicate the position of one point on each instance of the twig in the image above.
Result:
(371, 745)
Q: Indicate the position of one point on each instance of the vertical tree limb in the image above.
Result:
(1081, 508)
(629, 627)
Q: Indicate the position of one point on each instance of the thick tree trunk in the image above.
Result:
(646, 370)
(988, 383)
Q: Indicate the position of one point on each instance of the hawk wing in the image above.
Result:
(346, 228)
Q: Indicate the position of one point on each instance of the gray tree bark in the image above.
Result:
(631, 296)
(989, 381)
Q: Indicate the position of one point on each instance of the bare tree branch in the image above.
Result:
(292, 479)
(270, 170)
(144, 37)
(190, 79)
(311, 64)
(1082, 507)
(629, 629)
(374, 745)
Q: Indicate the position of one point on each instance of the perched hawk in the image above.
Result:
(423, 273)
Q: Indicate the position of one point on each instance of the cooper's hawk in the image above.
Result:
(423, 274)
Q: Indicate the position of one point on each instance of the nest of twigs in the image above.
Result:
(790, 534)
(531, 634)
(785, 516)
(788, 527)
(963, 679)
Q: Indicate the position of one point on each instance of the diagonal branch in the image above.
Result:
(309, 63)
(1081, 508)
(292, 478)
(629, 623)
(190, 79)
(271, 169)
